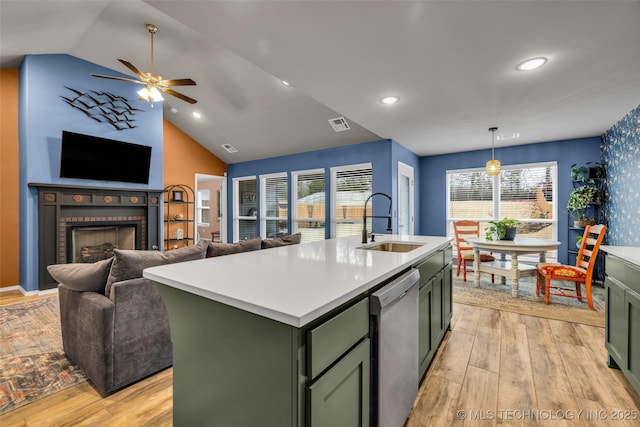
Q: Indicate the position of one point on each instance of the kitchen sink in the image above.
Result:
(392, 247)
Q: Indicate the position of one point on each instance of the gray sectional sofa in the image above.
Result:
(115, 325)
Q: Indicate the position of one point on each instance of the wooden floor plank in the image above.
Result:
(455, 357)
(485, 353)
(516, 392)
(435, 392)
(478, 398)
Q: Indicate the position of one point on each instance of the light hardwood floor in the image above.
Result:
(494, 368)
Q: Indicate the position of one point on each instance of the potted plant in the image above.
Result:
(587, 172)
(579, 200)
(504, 229)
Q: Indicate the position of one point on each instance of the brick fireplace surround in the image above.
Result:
(61, 209)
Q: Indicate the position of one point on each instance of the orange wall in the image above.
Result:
(184, 158)
(9, 209)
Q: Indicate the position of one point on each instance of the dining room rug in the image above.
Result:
(498, 296)
(32, 362)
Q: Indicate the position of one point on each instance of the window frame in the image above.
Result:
(334, 208)
(264, 196)
(294, 198)
(496, 194)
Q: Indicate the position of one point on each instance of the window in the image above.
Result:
(308, 193)
(350, 187)
(244, 208)
(274, 210)
(524, 192)
(203, 208)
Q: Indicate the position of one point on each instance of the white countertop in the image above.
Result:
(294, 284)
(628, 253)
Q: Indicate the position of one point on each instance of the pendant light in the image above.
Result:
(493, 165)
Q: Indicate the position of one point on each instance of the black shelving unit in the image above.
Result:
(596, 177)
(179, 204)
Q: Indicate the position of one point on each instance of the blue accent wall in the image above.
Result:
(43, 115)
(621, 156)
(433, 177)
(383, 156)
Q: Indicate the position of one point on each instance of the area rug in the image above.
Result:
(498, 296)
(32, 363)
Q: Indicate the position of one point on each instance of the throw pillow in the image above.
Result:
(128, 264)
(82, 277)
(273, 242)
(218, 249)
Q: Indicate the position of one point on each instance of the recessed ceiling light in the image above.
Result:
(531, 64)
(286, 83)
(197, 115)
(390, 100)
(174, 110)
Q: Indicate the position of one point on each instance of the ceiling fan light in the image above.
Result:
(155, 94)
(493, 167)
(143, 94)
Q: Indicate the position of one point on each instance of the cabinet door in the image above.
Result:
(340, 397)
(437, 312)
(448, 295)
(615, 321)
(632, 314)
(425, 347)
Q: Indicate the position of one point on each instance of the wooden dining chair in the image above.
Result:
(464, 229)
(581, 273)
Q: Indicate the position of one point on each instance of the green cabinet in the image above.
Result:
(340, 397)
(435, 304)
(622, 317)
(235, 368)
(338, 378)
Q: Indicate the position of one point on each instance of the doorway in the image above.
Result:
(405, 200)
(210, 212)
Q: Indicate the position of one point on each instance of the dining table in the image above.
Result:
(509, 269)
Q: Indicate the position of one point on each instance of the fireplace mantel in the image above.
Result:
(61, 207)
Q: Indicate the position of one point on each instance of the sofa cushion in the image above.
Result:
(82, 277)
(273, 242)
(218, 249)
(128, 264)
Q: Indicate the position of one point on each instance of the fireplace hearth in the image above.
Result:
(84, 224)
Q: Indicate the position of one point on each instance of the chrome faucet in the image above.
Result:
(365, 236)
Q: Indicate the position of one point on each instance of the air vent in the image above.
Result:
(508, 136)
(230, 148)
(339, 124)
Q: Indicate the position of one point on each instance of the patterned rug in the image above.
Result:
(32, 363)
(498, 296)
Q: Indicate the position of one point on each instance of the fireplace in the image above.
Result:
(91, 244)
(83, 224)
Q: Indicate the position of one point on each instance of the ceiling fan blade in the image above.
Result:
(133, 68)
(178, 82)
(179, 95)
(118, 78)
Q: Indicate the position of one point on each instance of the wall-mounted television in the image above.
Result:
(92, 157)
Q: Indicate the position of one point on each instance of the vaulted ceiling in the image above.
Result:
(452, 63)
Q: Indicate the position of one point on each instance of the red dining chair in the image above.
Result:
(464, 229)
(581, 273)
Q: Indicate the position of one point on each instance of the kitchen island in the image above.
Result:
(281, 336)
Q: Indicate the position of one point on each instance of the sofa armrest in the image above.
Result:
(94, 345)
(142, 338)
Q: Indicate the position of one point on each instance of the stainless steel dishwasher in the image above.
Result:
(394, 322)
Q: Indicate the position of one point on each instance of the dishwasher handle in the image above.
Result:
(393, 291)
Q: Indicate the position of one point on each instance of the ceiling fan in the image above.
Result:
(154, 84)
